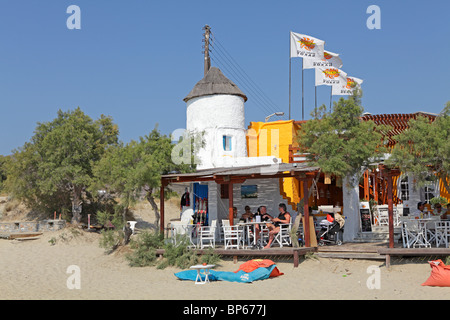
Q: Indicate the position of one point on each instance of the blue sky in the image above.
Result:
(136, 60)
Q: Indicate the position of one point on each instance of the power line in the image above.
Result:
(254, 85)
(245, 81)
(236, 78)
(221, 56)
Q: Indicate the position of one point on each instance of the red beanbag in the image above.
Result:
(440, 274)
(254, 264)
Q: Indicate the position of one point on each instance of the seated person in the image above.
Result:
(261, 212)
(234, 213)
(445, 214)
(438, 209)
(248, 215)
(283, 217)
(420, 211)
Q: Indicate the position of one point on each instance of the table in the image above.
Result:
(206, 268)
(254, 223)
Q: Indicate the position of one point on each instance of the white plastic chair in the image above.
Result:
(177, 229)
(284, 236)
(442, 233)
(409, 233)
(226, 223)
(383, 215)
(208, 234)
(233, 237)
(132, 225)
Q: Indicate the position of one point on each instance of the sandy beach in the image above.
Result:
(36, 269)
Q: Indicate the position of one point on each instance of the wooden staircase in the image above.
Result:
(378, 234)
(352, 251)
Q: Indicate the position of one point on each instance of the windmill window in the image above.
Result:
(227, 143)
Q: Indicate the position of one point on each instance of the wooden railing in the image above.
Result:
(294, 155)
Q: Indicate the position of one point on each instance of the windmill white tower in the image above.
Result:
(215, 106)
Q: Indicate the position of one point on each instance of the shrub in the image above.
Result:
(177, 255)
(110, 239)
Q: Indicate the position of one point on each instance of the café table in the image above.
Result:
(206, 268)
(248, 225)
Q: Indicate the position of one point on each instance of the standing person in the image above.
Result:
(283, 217)
(128, 232)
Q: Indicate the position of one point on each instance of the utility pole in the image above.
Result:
(207, 62)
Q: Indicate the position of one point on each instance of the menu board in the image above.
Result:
(366, 217)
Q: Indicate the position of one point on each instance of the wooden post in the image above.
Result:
(306, 226)
(207, 63)
(296, 259)
(161, 206)
(366, 185)
(375, 188)
(230, 203)
(390, 208)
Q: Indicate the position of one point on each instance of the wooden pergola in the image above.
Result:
(238, 175)
(397, 122)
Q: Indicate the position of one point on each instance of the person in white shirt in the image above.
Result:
(420, 210)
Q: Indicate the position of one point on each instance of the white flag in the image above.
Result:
(330, 76)
(304, 46)
(347, 88)
(330, 60)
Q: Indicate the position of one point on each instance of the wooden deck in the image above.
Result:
(295, 253)
(412, 252)
(367, 251)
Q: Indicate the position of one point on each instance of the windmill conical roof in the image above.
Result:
(214, 82)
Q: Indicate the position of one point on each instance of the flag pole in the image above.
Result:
(331, 97)
(290, 76)
(315, 94)
(303, 96)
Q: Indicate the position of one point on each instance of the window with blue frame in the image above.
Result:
(227, 143)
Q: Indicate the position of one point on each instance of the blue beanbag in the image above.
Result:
(240, 276)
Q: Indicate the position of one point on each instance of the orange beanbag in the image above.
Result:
(254, 264)
(440, 274)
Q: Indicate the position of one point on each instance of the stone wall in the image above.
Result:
(32, 226)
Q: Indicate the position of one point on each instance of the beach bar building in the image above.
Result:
(261, 165)
(242, 166)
